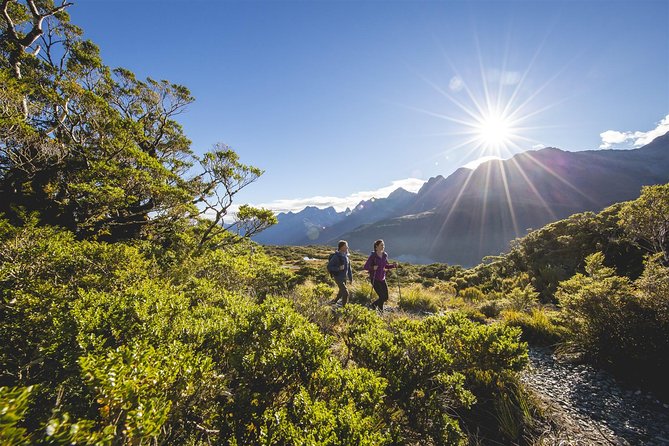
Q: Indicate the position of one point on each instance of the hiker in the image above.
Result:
(340, 269)
(376, 266)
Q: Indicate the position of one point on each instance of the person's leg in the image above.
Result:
(383, 294)
(378, 288)
(343, 291)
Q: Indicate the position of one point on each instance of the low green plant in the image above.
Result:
(471, 294)
(537, 327)
(311, 301)
(473, 314)
(445, 288)
(492, 308)
(522, 299)
(435, 367)
(361, 292)
(419, 299)
(513, 411)
(619, 323)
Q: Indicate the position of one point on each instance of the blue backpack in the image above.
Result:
(332, 273)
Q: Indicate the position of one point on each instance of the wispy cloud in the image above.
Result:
(617, 139)
(340, 203)
(456, 84)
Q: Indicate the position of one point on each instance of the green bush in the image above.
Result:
(492, 308)
(620, 323)
(435, 367)
(446, 288)
(361, 292)
(537, 327)
(522, 299)
(418, 299)
(471, 294)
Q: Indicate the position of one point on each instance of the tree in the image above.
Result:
(96, 150)
(647, 219)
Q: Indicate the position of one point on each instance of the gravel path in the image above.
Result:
(591, 408)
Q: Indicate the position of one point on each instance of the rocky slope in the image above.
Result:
(592, 408)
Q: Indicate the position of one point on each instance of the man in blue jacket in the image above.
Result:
(340, 269)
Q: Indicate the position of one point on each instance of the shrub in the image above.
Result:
(594, 306)
(522, 299)
(418, 299)
(435, 367)
(619, 323)
(492, 308)
(471, 294)
(446, 288)
(427, 283)
(311, 301)
(361, 292)
(537, 328)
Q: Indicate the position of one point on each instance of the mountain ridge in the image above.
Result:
(473, 213)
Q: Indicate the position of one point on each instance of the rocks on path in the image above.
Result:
(591, 407)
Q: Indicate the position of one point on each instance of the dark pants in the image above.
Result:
(343, 291)
(381, 288)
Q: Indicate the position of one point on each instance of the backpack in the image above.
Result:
(332, 273)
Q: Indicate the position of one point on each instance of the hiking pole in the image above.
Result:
(399, 289)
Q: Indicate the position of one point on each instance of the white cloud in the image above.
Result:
(611, 138)
(340, 203)
(477, 162)
(456, 84)
(538, 146)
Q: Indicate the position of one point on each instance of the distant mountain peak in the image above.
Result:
(400, 192)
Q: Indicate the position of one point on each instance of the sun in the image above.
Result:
(493, 130)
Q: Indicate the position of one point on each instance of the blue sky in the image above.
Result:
(341, 100)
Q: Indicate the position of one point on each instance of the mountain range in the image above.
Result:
(474, 213)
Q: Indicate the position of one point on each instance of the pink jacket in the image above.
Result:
(381, 264)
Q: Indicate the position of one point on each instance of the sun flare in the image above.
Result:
(494, 130)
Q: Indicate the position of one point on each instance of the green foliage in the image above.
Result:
(471, 294)
(418, 299)
(137, 387)
(14, 404)
(491, 308)
(435, 367)
(361, 292)
(555, 252)
(618, 322)
(311, 301)
(99, 152)
(537, 327)
(513, 411)
(522, 299)
(647, 219)
(594, 305)
(446, 288)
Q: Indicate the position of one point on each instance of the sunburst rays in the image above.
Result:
(492, 116)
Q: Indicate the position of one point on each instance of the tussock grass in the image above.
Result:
(360, 292)
(419, 299)
(538, 327)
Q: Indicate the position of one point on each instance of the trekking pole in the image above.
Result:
(399, 289)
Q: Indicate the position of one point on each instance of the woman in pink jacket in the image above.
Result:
(376, 266)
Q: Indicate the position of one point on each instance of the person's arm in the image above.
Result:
(369, 264)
